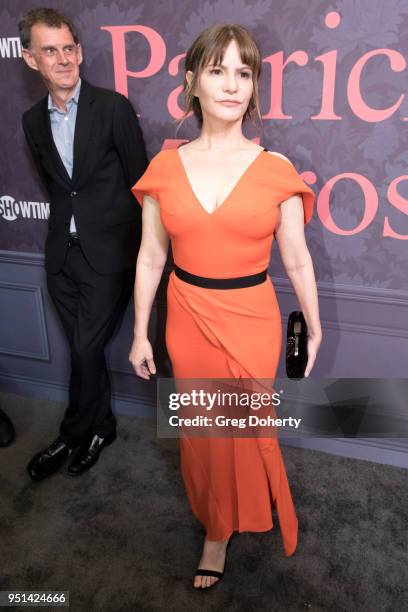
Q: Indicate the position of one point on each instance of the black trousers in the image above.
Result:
(90, 306)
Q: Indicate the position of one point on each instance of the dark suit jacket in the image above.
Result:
(109, 157)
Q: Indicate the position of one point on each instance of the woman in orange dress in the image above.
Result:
(221, 199)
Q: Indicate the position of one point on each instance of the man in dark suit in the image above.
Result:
(88, 148)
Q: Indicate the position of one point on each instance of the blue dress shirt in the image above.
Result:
(63, 131)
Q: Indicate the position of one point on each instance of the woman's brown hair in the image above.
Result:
(210, 46)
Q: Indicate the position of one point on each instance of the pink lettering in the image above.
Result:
(357, 104)
(370, 201)
(277, 67)
(121, 72)
(400, 203)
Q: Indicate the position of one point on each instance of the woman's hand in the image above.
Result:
(141, 358)
(313, 344)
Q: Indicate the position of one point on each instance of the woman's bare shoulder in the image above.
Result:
(281, 156)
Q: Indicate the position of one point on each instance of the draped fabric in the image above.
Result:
(232, 483)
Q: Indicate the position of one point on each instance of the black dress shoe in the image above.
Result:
(7, 433)
(88, 454)
(49, 460)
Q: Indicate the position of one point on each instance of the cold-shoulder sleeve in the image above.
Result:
(291, 183)
(150, 182)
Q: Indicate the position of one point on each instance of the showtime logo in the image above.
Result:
(10, 47)
(11, 209)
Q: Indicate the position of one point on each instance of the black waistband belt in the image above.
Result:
(221, 283)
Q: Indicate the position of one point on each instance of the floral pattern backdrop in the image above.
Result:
(327, 39)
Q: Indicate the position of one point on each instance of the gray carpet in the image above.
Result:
(122, 537)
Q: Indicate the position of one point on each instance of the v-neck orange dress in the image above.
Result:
(231, 483)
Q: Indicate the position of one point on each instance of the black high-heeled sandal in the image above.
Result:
(213, 573)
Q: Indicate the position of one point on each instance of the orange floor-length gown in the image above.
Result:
(231, 483)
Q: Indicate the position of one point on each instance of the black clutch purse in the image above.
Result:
(296, 345)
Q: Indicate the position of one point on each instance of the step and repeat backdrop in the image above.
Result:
(333, 99)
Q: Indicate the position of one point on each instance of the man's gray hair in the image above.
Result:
(47, 16)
